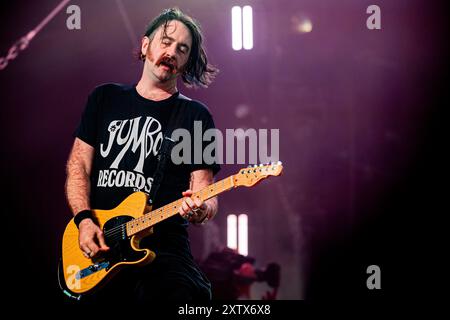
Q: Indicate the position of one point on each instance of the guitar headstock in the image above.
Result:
(253, 174)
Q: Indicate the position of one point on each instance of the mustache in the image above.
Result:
(171, 62)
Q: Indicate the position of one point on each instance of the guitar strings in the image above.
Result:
(119, 229)
(116, 232)
(153, 215)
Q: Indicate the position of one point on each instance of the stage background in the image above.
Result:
(360, 136)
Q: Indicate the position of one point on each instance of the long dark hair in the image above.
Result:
(198, 72)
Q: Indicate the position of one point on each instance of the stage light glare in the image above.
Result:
(247, 19)
(236, 28)
(243, 234)
(232, 231)
(242, 28)
(301, 24)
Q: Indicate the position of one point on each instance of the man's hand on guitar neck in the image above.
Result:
(194, 209)
(91, 239)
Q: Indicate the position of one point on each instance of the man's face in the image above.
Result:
(167, 55)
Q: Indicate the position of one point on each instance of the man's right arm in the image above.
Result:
(78, 173)
(78, 186)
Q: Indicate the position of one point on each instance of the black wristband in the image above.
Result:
(85, 214)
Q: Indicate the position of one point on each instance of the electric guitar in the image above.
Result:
(124, 227)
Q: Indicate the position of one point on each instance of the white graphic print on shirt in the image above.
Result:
(126, 136)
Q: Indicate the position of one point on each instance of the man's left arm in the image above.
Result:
(202, 211)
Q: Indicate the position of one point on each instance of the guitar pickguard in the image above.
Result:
(119, 244)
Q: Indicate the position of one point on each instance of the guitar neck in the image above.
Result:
(153, 217)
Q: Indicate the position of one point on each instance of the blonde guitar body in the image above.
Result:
(132, 220)
(82, 274)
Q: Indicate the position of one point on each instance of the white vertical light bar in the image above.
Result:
(243, 234)
(236, 27)
(232, 231)
(247, 28)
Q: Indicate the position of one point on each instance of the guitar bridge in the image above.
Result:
(91, 269)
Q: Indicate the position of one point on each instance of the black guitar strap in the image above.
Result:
(175, 121)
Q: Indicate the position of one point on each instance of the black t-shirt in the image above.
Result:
(126, 131)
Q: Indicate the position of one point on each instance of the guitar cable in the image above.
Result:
(67, 293)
